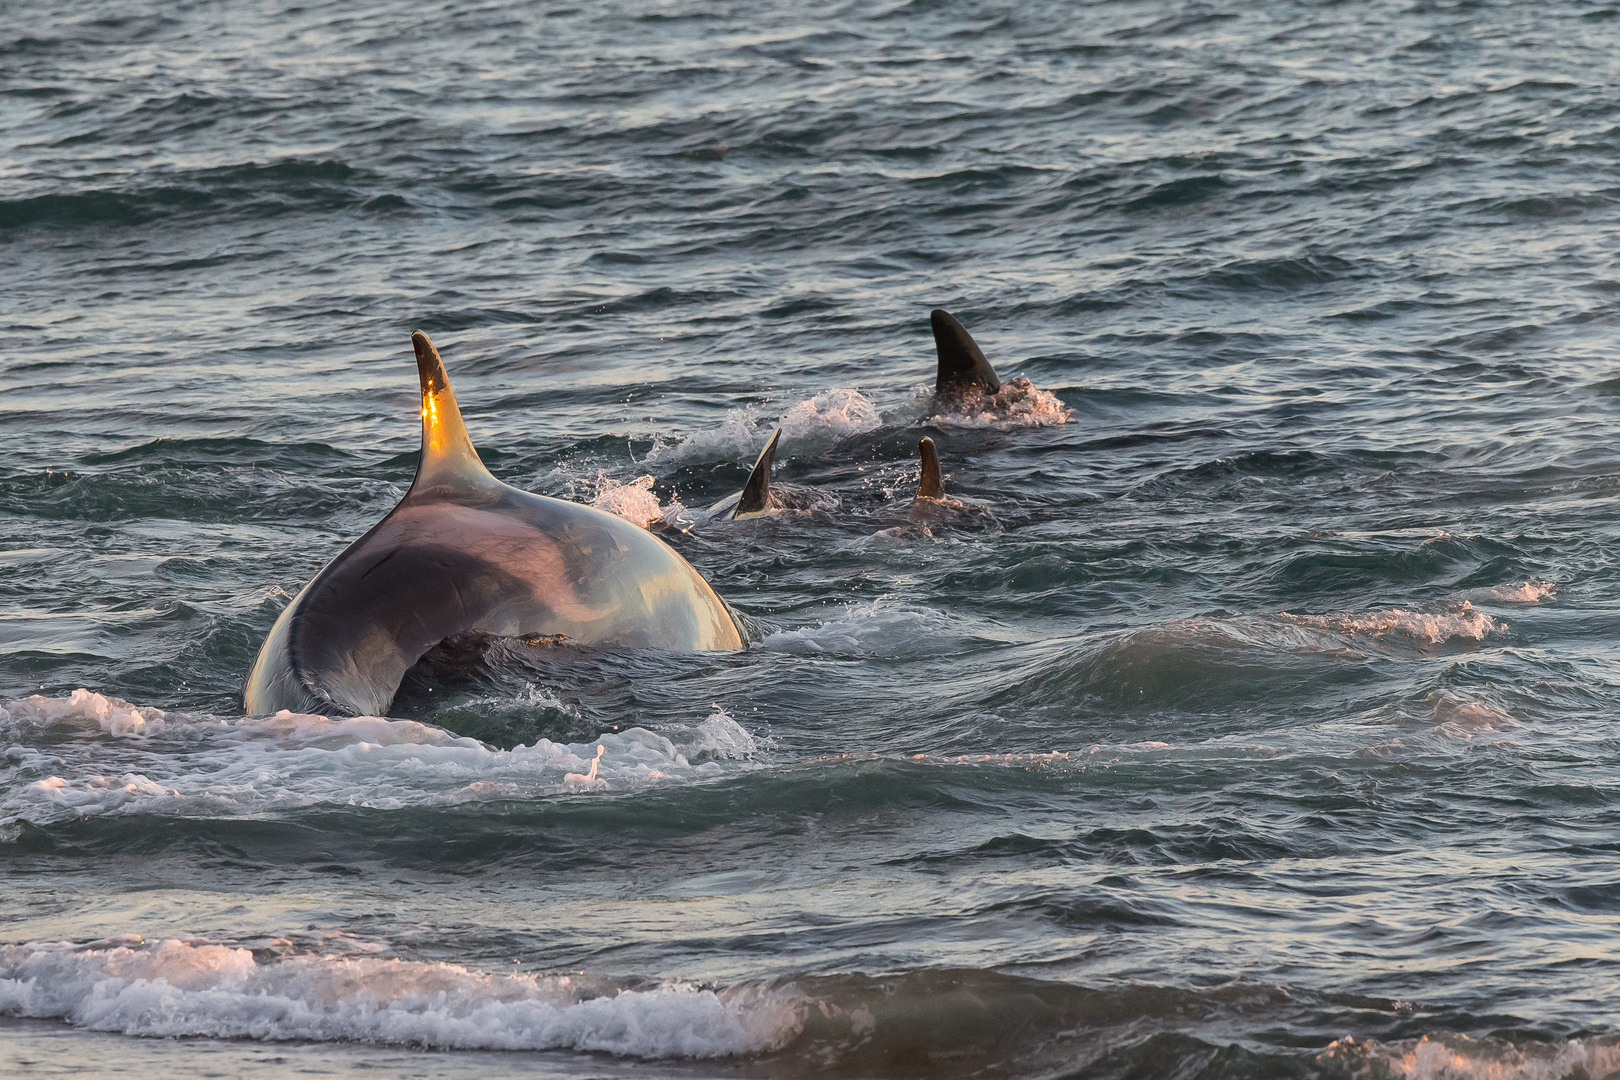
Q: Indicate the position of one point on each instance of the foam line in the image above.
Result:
(178, 988)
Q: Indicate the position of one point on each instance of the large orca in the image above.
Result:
(465, 553)
(963, 370)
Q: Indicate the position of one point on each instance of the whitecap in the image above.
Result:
(179, 988)
(1457, 1057)
(1524, 592)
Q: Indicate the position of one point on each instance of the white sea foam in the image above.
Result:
(835, 414)
(734, 437)
(288, 760)
(82, 708)
(632, 500)
(825, 417)
(1019, 403)
(1428, 628)
(1526, 592)
(179, 988)
(1457, 1057)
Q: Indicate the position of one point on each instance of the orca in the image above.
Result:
(463, 553)
(755, 497)
(931, 506)
(929, 485)
(963, 370)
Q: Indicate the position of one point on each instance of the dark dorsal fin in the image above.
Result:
(929, 486)
(756, 494)
(961, 362)
(448, 457)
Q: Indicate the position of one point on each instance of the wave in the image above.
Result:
(1465, 717)
(1183, 660)
(877, 629)
(178, 989)
(831, 414)
(290, 760)
(840, 1025)
(257, 190)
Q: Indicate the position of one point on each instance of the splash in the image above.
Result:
(835, 414)
(1019, 403)
(827, 416)
(576, 780)
(737, 436)
(632, 500)
(718, 737)
(197, 989)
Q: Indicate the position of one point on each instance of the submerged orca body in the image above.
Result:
(963, 370)
(465, 553)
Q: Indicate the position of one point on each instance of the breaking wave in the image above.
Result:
(177, 988)
(1457, 1057)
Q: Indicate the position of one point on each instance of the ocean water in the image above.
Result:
(1254, 717)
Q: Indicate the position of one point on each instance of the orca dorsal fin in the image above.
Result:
(756, 494)
(962, 365)
(448, 457)
(929, 485)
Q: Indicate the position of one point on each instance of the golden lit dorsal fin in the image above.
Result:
(448, 457)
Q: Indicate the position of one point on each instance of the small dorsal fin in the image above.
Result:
(756, 494)
(962, 365)
(448, 457)
(928, 485)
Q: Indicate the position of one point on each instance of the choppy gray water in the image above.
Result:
(1261, 725)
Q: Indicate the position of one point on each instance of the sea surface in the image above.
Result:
(1256, 714)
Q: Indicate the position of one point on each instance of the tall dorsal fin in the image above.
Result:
(929, 485)
(962, 365)
(448, 457)
(756, 494)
